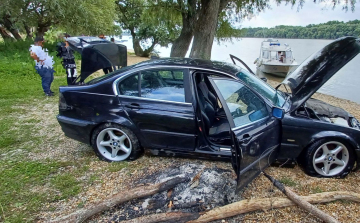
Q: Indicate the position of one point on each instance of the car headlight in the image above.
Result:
(354, 123)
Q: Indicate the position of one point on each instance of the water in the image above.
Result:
(344, 84)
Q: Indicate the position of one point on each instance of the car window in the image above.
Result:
(163, 85)
(244, 105)
(262, 88)
(130, 86)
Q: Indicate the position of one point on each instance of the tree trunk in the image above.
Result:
(41, 30)
(28, 31)
(4, 34)
(181, 44)
(246, 206)
(167, 217)
(10, 26)
(205, 29)
(302, 203)
(138, 192)
(137, 48)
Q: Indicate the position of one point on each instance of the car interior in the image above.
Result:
(215, 123)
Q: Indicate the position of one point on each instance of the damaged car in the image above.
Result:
(215, 110)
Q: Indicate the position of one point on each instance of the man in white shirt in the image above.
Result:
(43, 64)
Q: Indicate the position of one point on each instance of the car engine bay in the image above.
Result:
(319, 110)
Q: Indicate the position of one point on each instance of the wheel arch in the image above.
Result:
(335, 135)
(330, 135)
(122, 122)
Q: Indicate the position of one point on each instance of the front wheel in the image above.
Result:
(112, 143)
(329, 158)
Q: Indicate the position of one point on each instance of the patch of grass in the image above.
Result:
(17, 178)
(317, 189)
(117, 166)
(67, 185)
(288, 181)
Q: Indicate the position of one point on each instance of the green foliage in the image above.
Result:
(329, 30)
(90, 17)
(53, 34)
(150, 23)
(226, 30)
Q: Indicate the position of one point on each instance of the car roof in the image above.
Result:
(190, 62)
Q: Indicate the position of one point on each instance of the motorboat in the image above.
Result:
(275, 58)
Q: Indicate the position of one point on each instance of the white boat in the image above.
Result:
(275, 58)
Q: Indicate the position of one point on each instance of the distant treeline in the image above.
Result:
(329, 30)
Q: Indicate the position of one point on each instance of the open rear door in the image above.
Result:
(254, 131)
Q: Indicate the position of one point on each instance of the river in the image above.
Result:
(344, 84)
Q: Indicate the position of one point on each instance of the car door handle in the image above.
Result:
(133, 106)
(246, 138)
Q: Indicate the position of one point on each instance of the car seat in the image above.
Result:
(216, 128)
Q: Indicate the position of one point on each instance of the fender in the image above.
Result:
(335, 134)
(123, 122)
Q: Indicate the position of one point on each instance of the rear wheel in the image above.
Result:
(112, 143)
(329, 158)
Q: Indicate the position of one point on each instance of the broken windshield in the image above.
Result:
(275, 97)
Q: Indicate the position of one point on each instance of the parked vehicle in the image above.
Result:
(207, 109)
(275, 58)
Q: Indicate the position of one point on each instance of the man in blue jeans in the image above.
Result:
(43, 64)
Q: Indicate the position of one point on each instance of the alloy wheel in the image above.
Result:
(330, 158)
(114, 144)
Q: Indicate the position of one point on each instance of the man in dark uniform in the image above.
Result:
(67, 54)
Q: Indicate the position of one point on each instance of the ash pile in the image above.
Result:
(206, 189)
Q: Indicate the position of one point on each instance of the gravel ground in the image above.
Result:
(215, 187)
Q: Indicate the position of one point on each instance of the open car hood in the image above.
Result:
(319, 68)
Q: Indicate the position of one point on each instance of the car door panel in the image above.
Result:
(163, 123)
(255, 137)
(258, 149)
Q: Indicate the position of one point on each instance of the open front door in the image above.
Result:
(254, 131)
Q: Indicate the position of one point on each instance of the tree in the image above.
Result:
(205, 13)
(74, 16)
(218, 15)
(149, 23)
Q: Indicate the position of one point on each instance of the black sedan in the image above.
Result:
(206, 109)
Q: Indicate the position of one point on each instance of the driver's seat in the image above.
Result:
(216, 128)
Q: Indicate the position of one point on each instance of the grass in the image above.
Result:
(288, 181)
(27, 184)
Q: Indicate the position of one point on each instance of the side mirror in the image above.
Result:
(264, 79)
(278, 112)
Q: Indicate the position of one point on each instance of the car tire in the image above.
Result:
(329, 158)
(113, 143)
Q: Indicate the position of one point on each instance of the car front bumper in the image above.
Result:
(77, 129)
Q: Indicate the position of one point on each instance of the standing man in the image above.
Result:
(67, 54)
(43, 64)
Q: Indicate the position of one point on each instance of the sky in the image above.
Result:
(310, 13)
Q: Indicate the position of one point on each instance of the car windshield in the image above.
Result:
(121, 70)
(275, 97)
